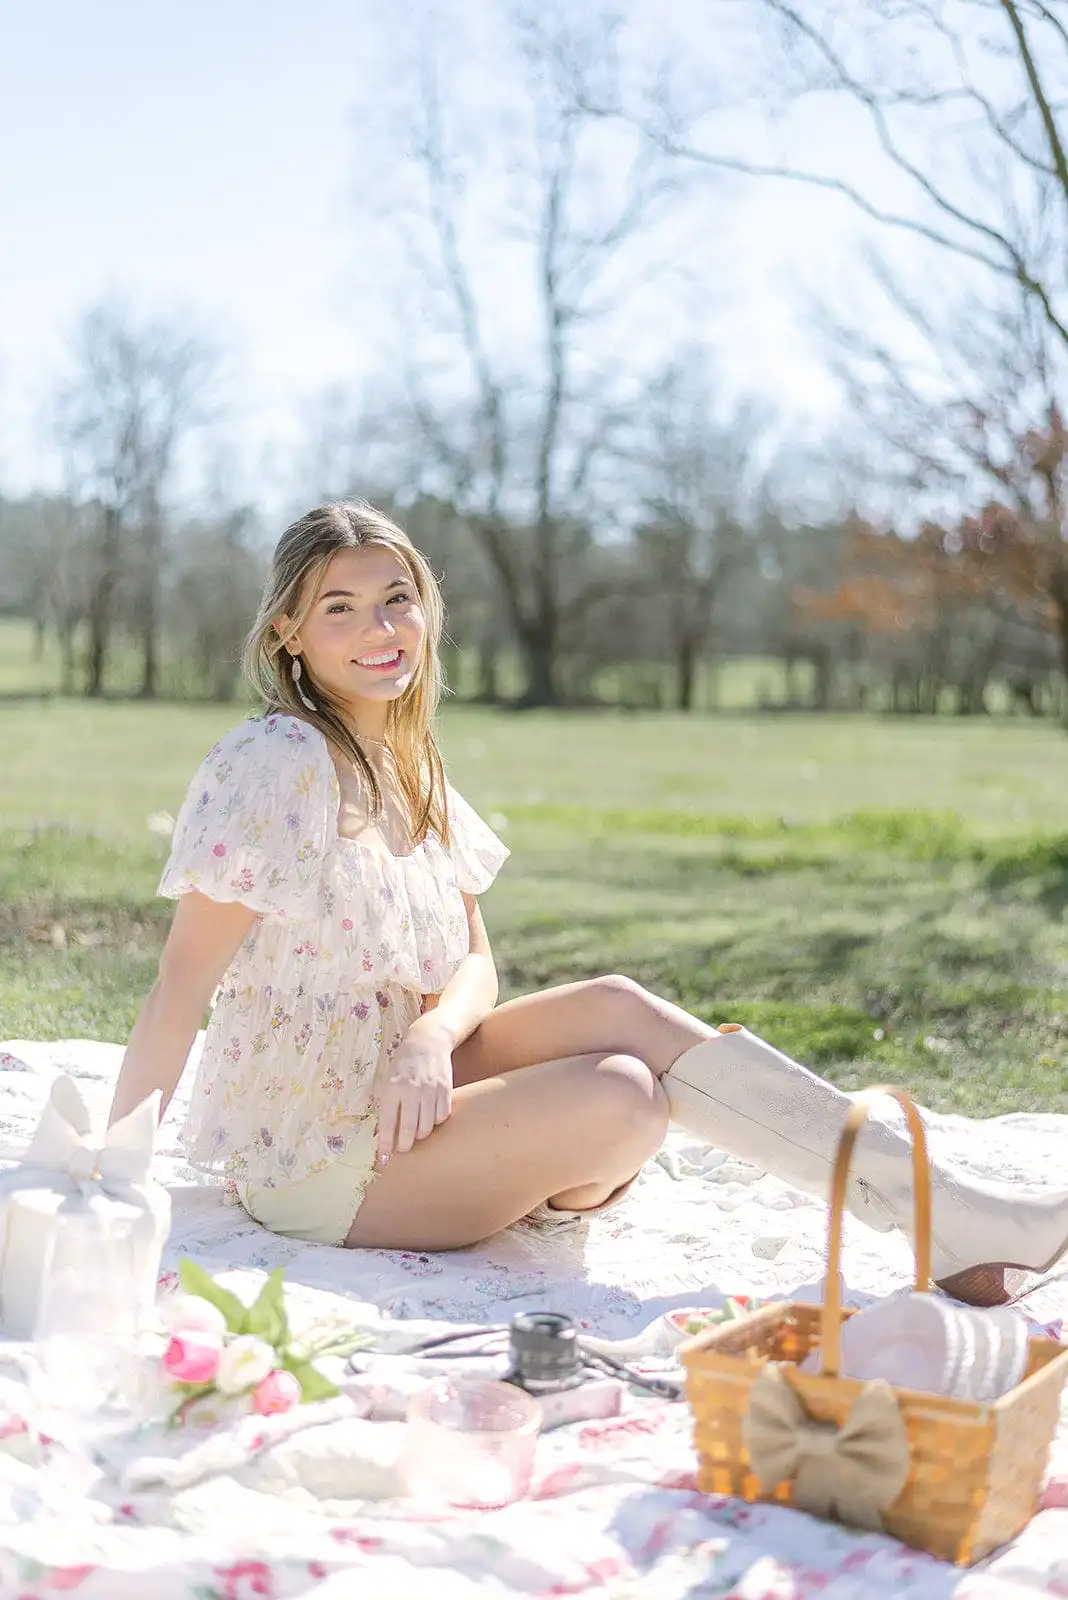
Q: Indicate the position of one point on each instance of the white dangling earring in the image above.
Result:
(296, 671)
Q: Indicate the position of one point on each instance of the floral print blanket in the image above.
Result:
(263, 1510)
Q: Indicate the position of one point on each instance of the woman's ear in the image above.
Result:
(283, 627)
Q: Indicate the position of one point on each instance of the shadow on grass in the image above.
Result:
(88, 924)
(1042, 863)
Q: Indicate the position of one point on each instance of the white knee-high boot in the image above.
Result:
(738, 1092)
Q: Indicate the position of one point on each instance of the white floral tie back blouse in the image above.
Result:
(349, 941)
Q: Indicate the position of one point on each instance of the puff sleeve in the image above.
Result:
(255, 823)
(477, 853)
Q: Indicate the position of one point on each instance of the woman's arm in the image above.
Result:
(204, 938)
(471, 993)
(416, 1093)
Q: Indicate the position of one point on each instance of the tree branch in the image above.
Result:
(969, 91)
(432, 154)
(1046, 13)
(1045, 111)
(1014, 265)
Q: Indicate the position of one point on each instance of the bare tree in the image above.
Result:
(969, 424)
(139, 387)
(517, 447)
(216, 585)
(56, 568)
(701, 475)
(966, 102)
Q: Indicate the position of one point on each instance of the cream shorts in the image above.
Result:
(320, 1208)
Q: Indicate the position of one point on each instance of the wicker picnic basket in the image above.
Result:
(972, 1473)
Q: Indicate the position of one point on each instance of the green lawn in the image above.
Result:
(883, 898)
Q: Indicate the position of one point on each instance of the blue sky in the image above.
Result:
(205, 154)
(195, 154)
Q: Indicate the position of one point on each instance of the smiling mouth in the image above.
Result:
(385, 661)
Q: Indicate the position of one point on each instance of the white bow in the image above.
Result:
(62, 1142)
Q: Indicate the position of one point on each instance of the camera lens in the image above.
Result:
(544, 1351)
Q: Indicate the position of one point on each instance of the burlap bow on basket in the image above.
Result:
(853, 1473)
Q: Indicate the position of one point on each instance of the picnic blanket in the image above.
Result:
(308, 1503)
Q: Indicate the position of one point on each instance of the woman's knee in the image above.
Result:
(627, 1103)
(618, 989)
(627, 1006)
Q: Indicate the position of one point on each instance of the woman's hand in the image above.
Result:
(416, 1091)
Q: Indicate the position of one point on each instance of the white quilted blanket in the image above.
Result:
(613, 1511)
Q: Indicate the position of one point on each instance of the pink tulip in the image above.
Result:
(278, 1391)
(192, 1356)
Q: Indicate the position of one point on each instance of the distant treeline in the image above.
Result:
(858, 619)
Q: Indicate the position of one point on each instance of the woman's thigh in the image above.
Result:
(511, 1143)
(595, 1015)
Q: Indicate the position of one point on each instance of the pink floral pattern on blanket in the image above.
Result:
(614, 1511)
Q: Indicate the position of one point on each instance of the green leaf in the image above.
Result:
(337, 1344)
(194, 1280)
(266, 1317)
(313, 1386)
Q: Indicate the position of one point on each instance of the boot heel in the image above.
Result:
(979, 1286)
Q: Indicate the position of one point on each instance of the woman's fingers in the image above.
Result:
(388, 1108)
(427, 1113)
(408, 1121)
(407, 1112)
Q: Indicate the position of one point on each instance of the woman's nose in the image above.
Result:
(383, 620)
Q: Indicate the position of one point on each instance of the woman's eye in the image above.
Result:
(338, 605)
(405, 599)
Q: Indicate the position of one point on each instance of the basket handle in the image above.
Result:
(831, 1324)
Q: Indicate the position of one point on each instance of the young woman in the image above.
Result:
(359, 1083)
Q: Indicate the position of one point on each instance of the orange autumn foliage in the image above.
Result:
(890, 584)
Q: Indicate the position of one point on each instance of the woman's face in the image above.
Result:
(363, 638)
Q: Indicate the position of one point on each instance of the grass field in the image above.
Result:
(882, 898)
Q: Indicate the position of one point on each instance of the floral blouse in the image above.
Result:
(333, 973)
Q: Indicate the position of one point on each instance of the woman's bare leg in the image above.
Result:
(596, 1015)
(569, 1130)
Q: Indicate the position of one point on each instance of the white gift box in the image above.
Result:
(65, 1168)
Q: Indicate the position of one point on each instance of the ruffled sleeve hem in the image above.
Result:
(477, 853)
(255, 824)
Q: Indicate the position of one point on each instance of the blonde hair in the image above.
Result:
(297, 570)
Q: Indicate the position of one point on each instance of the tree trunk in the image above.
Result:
(539, 657)
(685, 673)
(224, 681)
(824, 669)
(1060, 599)
(536, 627)
(488, 682)
(68, 656)
(96, 659)
(972, 690)
(151, 551)
(101, 604)
(713, 680)
(150, 651)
